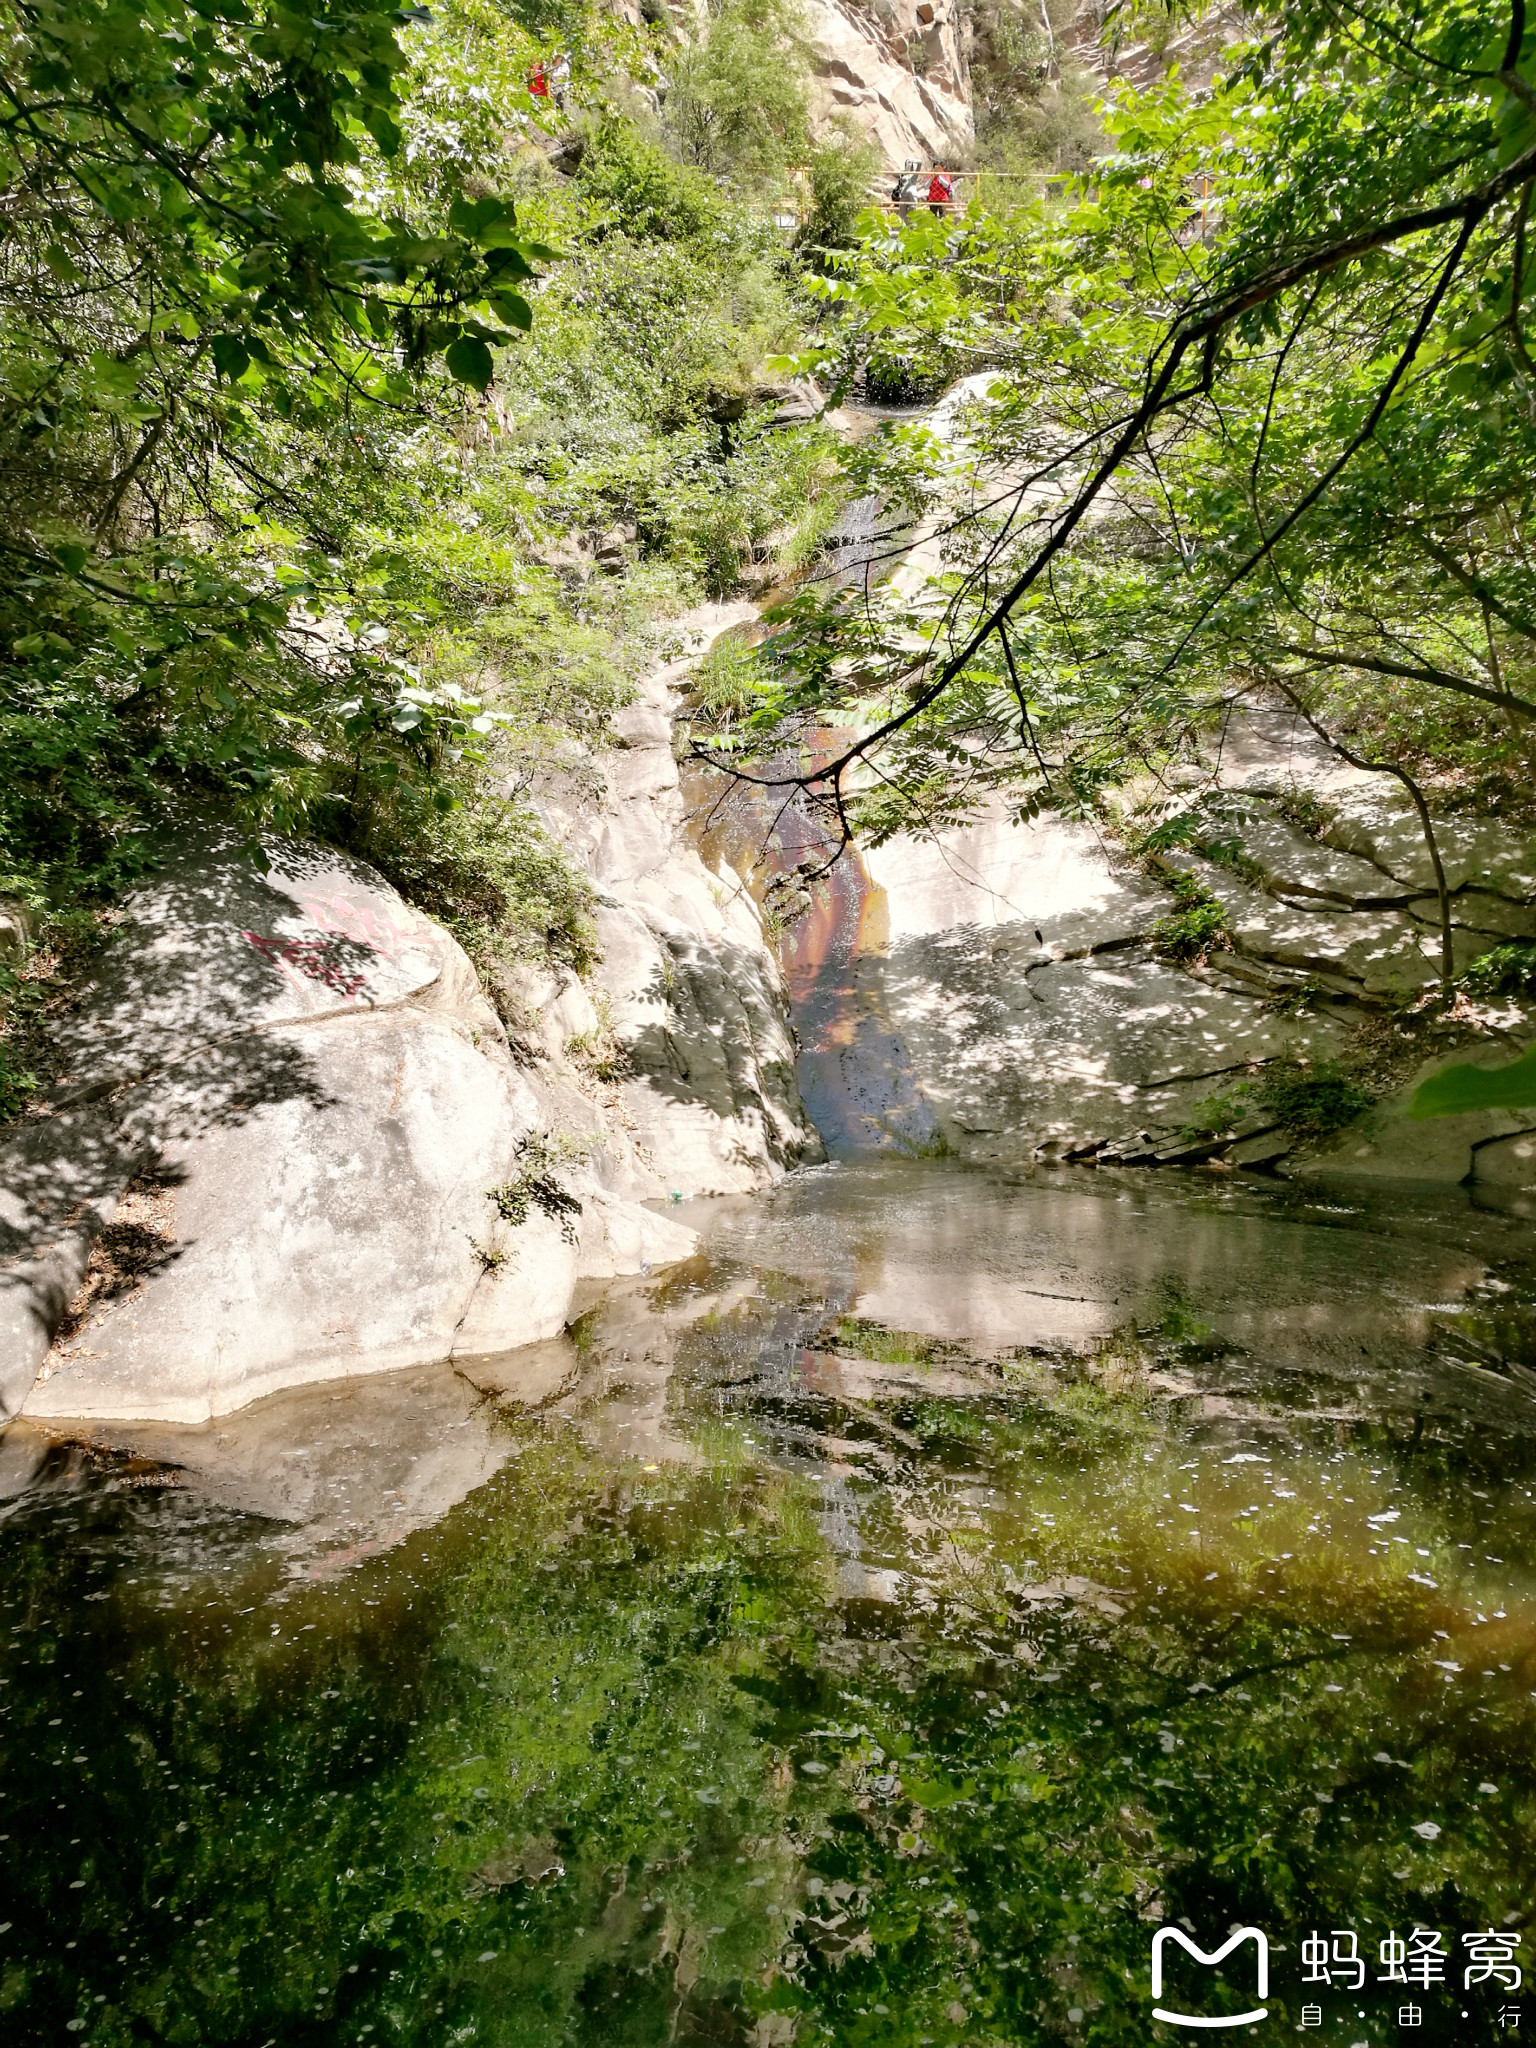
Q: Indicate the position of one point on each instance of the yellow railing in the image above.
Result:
(794, 208)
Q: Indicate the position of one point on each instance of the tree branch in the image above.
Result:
(1442, 679)
(1475, 585)
(1199, 328)
(1426, 825)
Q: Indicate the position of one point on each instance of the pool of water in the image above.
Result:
(875, 1631)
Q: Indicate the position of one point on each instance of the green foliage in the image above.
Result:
(1228, 853)
(61, 944)
(599, 1053)
(724, 686)
(18, 1081)
(842, 165)
(537, 1185)
(1299, 807)
(736, 105)
(230, 292)
(1205, 828)
(1216, 1116)
(1461, 1090)
(1034, 100)
(637, 189)
(1199, 925)
(1313, 1100)
(1507, 970)
(494, 877)
(1308, 1099)
(226, 152)
(285, 465)
(1301, 442)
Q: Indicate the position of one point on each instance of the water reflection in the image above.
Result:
(881, 1627)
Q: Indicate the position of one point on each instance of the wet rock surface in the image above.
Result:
(1006, 992)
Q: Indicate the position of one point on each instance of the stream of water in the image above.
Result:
(885, 1626)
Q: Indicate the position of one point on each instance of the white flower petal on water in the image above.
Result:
(1429, 1830)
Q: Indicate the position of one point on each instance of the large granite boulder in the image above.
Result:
(329, 1107)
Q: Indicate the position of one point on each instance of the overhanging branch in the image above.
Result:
(1200, 329)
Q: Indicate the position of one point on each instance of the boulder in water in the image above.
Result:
(355, 1173)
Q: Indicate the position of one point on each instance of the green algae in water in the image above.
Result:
(823, 1682)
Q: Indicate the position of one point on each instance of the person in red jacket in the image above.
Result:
(538, 83)
(941, 192)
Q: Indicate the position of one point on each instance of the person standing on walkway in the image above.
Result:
(941, 192)
(904, 197)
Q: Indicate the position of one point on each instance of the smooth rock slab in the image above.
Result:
(1083, 1046)
(211, 947)
(992, 994)
(1506, 1161)
(332, 1121)
(713, 1098)
(1380, 951)
(322, 1231)
(1292, 864)
(1381, 824)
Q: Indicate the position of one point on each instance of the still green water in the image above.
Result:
(886, 1623)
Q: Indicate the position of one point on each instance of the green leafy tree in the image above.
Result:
(1280, 442)
(736, 104)
(287, 474)
(843, 166)
(214, 297)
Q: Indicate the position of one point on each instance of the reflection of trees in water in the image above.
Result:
(603, 1760)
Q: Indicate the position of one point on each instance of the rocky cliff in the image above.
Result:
(687, 993)
(900, 69)
(296, 1142)
(1005, 993)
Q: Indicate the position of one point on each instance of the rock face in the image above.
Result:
(296, 1144)
(688, 988)
(328, 1102)
(1000, 994)
(900, 70)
